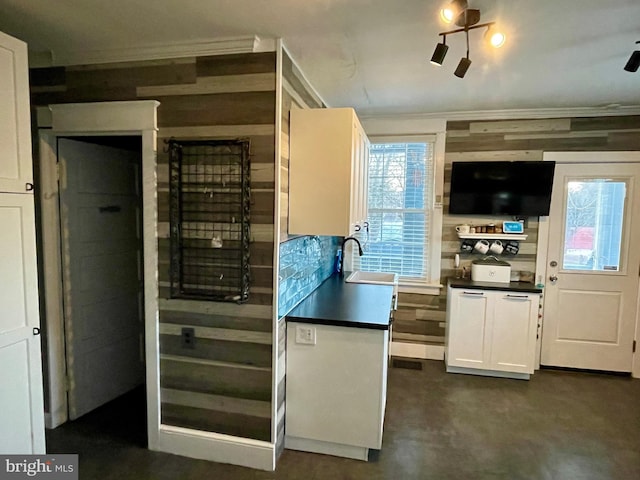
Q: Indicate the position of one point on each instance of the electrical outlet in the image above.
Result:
(305, 335)
(188, 338)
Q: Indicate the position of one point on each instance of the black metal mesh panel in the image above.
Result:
(209, 209)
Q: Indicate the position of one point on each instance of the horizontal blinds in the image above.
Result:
(399, 192)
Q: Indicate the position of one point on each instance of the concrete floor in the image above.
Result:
(559, 425)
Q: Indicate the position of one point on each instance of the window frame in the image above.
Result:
(431, 284)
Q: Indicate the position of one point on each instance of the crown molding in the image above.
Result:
(526, 113)
(301, 75)
(221, 46)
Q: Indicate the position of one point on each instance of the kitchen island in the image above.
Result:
(337, 357)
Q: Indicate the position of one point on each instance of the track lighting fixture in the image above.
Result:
(465, 63)
(440, 52)
(458, 12)
(634, 61)
(463, 66)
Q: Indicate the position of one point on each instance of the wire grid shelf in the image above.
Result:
(209, 213)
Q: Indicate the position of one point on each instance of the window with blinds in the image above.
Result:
(400, 183)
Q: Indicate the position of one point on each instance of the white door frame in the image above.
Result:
(543, 233)
(123, 118)
(95, 119)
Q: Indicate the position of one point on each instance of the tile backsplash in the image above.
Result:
(305, 262)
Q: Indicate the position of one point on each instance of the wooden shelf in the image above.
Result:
(493, 236)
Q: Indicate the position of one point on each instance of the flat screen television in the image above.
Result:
(517, 188)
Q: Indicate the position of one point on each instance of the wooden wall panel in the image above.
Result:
(235, 424)
(244, 353)
(422, 318)
(236, 64)
(238, 108)
(166, 74)
(224, 383)
(253, 82)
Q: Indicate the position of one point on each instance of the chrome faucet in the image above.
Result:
(345, 240)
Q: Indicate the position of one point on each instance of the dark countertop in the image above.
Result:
(343, 304)
(512, 286)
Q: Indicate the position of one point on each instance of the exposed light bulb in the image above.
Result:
(447, 14)
(497, 39)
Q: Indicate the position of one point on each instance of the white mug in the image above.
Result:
(482, 246)
(497, 247)
(462, 228)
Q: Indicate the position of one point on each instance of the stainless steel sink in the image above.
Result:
(377, 278)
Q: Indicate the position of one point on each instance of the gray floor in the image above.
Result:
(559, 425)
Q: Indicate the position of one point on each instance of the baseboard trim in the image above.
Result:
(48, 421)
(55, 419)
(216, 447)
(488, 373)
(326, 448)
(417, 350)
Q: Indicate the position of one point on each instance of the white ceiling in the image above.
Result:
(374, 54)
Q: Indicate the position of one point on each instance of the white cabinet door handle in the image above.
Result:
(517, 297)
(475, 294)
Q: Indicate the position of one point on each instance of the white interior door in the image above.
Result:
(593, 266)
(15, 134)
(102, 271)
(21, 400)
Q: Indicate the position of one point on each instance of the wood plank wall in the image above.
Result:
(296, 93)
(224, 383)
(421, 318)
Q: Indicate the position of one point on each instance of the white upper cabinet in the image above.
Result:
(327, 173)
(15, 134)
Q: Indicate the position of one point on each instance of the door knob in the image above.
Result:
(553, 278)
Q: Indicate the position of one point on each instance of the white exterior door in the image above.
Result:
(21, 401)
(102, 271)
(15, 134)
(593, 265)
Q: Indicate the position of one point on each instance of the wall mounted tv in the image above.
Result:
(501, 188)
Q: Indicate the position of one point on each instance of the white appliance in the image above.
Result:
(490, 269)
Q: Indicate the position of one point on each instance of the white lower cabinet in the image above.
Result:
(491, 332)
(336, 389)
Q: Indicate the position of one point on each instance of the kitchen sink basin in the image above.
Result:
(381, 278)
(377, 278)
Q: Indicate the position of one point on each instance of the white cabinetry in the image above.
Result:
(15, 134)
(21, 402)
(336, 389)
(329, 153)
(491, 332)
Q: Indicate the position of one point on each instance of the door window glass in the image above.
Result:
(593, 228)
